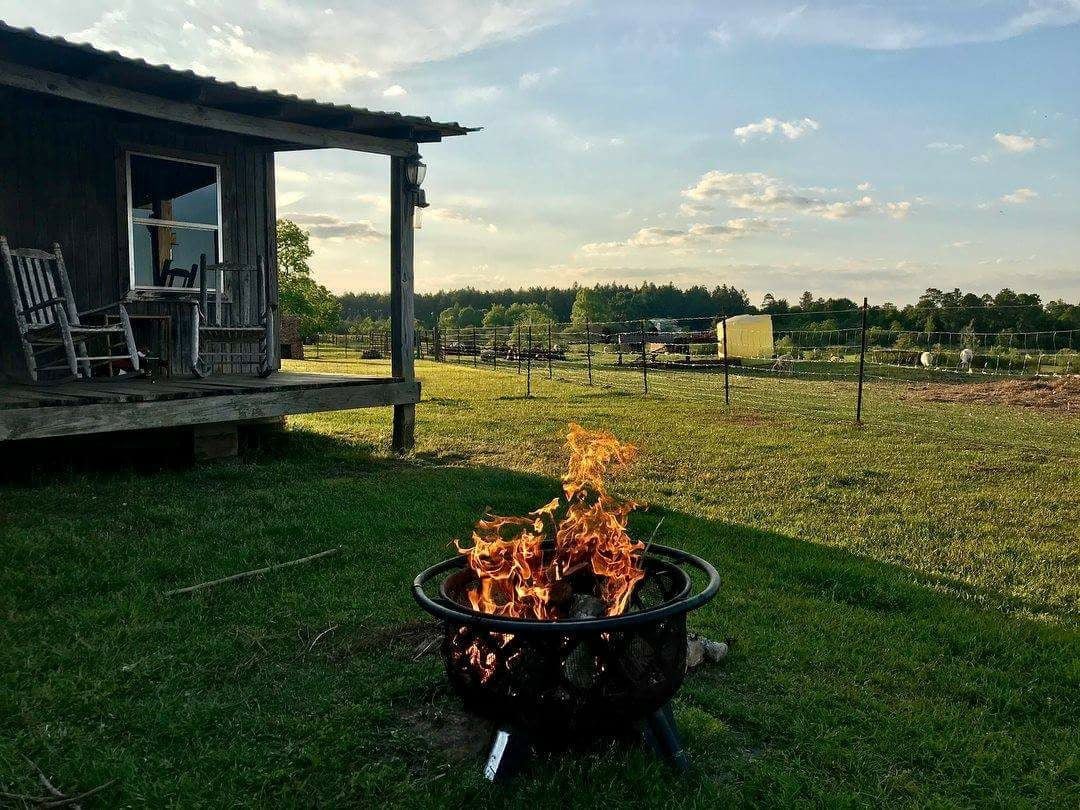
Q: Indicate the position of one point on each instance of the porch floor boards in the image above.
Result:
(119, 403)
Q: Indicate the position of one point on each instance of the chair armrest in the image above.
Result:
(52, 302)
(101, 309)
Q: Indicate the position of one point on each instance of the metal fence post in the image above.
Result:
(644, 360)
(588, 348)
(550, 373)
(862, 363)
(495, 350)
(727, 388)
(519, 349)
(528, 365)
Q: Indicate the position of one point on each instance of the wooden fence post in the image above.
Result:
(644, 360)
(495, 353)
(862, 363)
(519, 349)
(727, 389)
(588, 347)
(475, 349)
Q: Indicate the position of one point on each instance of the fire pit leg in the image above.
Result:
(509, 750)
(662, 735)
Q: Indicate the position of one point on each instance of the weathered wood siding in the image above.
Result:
(63, 179)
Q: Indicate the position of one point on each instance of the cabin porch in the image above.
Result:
(125, 404)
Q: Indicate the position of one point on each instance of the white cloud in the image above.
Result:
(394, 91)
(461, 210)
(467, 95)
(720, 34)
(284, 176)
(295, 46)
(767, 127)
(893, 26)
(533, 78)
(960, 244)
(1019, 143)
(866, 185)
(983, 158)
(288, 198)
(898, 210)
(1020, 196)
(755, 191)
(328, 226)
(945, 146)
(697, 235)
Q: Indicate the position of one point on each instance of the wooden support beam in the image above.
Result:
(401, 298)
(118, 98)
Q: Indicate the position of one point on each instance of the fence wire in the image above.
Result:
(819, 371)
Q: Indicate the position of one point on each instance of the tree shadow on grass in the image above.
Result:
(850, 680)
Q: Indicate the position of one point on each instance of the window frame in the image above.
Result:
(132, 220)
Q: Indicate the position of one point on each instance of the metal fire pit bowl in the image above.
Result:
(559, 682)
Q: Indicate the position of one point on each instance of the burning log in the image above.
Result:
(586, 606)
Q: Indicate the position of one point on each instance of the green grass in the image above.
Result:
(905, 599)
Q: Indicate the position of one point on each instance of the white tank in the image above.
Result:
(747, 336)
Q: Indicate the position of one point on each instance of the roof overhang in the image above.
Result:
(55, 67)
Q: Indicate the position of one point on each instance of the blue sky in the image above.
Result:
(846, 148)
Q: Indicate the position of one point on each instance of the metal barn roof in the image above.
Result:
(28, 48)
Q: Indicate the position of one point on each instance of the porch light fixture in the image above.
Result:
(415, 172)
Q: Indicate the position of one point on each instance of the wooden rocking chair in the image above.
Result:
(245, 319)
(50, 326)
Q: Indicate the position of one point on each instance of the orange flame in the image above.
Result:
(517, 578)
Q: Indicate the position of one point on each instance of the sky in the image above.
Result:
(847, 148)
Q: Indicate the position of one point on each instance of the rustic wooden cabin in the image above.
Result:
(118, 179)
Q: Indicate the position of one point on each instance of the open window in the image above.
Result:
(174, 216)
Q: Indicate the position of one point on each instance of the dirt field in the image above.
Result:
(1053, 394)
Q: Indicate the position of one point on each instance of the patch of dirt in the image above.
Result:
(448, 728)
(1048, 394)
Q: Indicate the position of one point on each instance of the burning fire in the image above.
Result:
(517, 577)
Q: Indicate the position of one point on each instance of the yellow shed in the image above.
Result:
(747, 336)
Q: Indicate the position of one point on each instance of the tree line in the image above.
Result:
(622, 306)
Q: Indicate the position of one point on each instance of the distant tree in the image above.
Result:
(589, 305)
(773, 305)
(469, 316)
(317, 309)
(498, 315)
(448, 318)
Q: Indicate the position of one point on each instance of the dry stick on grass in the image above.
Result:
(329, 629)
(57, 801)
(253, 573)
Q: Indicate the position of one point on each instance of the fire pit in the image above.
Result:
(559, 626)
(554, 683)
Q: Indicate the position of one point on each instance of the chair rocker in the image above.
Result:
(50, 326)
(235, 315)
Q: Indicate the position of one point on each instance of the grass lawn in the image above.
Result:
(905, 601)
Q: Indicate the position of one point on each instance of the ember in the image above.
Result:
(517, 576)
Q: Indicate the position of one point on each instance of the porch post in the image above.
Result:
(401, 298)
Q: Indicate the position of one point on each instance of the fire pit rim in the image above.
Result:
(451, 611)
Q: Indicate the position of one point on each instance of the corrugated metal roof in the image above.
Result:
(81, 60)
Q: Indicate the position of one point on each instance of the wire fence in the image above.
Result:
(805, 366)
